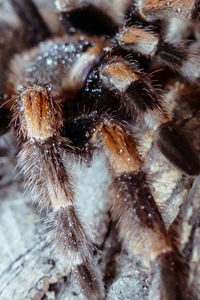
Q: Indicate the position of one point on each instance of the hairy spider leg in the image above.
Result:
(152, 10)
(144, 103)
(44, 159)
(132, 204)
(176, 57)
(140, 224)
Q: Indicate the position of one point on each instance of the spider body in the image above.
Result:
(50, 84)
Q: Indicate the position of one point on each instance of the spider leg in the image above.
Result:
(134, 208)
(132, 205)
(147, 43)
(141, 99)
(137, 39)
(152, 10)
(44, 159)
(136, 91)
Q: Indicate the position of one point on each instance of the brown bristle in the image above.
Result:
(154, 9)
(120, 70)
(119, 147)
(118, 75)
(135, 35)
(138, 40)
(38, 118)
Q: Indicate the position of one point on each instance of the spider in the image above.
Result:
(83, 93)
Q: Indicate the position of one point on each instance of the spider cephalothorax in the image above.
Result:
(76, 95)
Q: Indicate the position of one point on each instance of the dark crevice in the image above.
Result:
(90, 20)
(172, 55)
(187, 250)
(110, 225)
(178, 149)
(196, 11)
(189, 246)
(111, 267)
(57, 287)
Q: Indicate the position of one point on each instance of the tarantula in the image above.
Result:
(82, 93)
